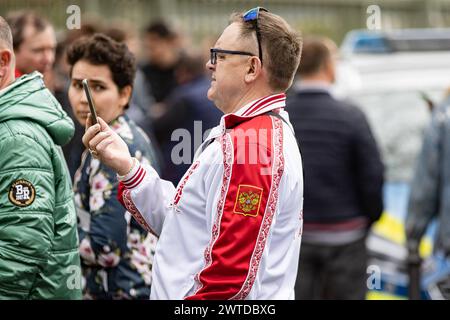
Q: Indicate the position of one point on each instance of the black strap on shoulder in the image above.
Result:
(277, 115)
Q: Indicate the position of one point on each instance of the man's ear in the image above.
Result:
(5, 61)
(254, 69)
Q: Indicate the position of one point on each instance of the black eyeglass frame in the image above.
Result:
(215, 51)
(254, 19)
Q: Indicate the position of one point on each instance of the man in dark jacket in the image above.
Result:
(163, 50)
(39, 256)
(188, 116)
(343, 181)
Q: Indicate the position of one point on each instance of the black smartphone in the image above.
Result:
(87, 90)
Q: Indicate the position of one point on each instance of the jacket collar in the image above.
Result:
(253, 109)
(249, 111)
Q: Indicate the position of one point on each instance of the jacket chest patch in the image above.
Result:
(248, 200)
(22, 193)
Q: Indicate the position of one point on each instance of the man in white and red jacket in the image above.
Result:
(232, 227)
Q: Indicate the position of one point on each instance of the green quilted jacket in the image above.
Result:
(39, 256)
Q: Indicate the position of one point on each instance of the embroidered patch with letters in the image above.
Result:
(22, 193)
(248, 200)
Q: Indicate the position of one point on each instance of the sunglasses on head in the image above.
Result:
(252, 16)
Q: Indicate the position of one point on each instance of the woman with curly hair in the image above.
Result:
(116, 251)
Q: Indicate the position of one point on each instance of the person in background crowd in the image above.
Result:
(116, 251)
(141, 99)
(190, 113)
(34, 44)
(140, 102)
(343, 181)
(74, 149)
(162, 49)
(39, 256)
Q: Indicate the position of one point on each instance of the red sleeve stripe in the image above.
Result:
(142, 176)
(135, 179)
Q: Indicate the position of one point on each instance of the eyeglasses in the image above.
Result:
(252, 15)
(215, 51)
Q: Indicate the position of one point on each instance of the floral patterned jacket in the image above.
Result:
(116, 252)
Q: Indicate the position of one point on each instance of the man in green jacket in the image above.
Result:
(39, 256)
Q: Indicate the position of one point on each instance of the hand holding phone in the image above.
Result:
(87, 91)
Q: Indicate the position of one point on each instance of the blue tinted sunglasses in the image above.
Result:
(252, 15)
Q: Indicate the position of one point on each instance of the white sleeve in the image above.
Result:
(147, 197)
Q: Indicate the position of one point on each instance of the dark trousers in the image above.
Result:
(332, 272)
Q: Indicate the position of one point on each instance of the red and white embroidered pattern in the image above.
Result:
(179, 192)
(278, 168)
(129, 204)
(227, 149)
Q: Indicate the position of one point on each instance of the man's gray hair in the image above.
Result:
(5, 34)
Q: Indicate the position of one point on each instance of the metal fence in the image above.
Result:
(200, 18)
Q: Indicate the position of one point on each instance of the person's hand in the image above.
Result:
(107, 146)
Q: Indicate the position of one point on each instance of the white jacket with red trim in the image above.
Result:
(232, 227)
